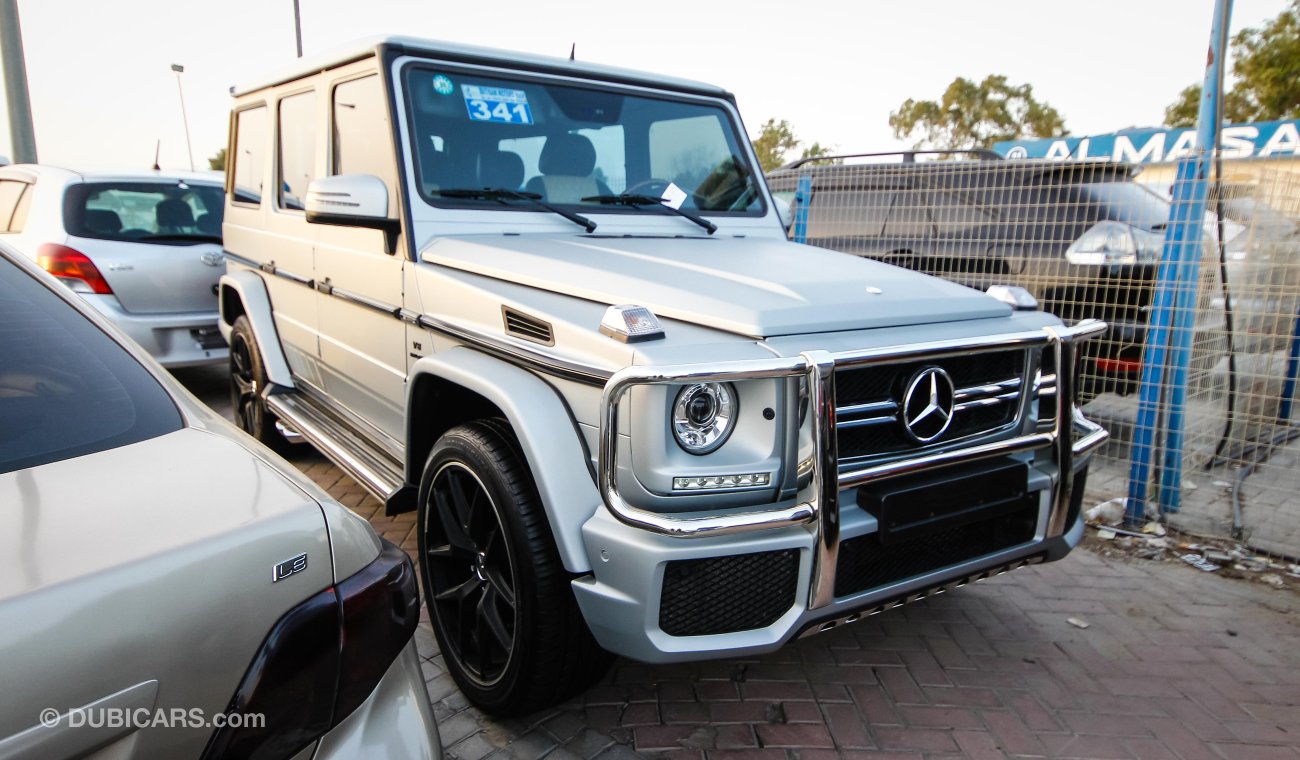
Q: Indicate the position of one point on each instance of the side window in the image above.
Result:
(910, 216)
(20, 213)
(250, 154)
(11, 191)
(837, 213)
(362, 135)
(954, 214)
(297, 149)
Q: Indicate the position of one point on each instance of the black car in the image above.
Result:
(1081, 236)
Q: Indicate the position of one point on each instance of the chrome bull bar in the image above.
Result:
(819, 501)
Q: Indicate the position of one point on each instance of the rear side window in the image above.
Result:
(11, 196)
(857, 213)
(297, 148)
(249, 162)
(909, 217)
(954, 214)
(19, 219)
(362, 142)
(66, 388)
(173, 213)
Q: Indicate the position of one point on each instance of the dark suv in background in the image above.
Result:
(1081, 236)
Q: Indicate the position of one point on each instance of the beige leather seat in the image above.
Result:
(567, 162)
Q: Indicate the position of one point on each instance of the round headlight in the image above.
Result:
(703, 416)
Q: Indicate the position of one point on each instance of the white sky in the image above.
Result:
(103, 92)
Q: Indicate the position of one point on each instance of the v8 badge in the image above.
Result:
(289, 567)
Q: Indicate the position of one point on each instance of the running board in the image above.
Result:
(375, 470)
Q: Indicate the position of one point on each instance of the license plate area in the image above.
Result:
(913, 506)
(208, 338)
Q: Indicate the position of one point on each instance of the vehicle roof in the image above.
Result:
(33, 171)
(454, 51)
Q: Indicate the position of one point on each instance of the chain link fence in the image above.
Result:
(1085, 239)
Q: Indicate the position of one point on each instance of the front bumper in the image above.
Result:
(175, 340)
(631, 550)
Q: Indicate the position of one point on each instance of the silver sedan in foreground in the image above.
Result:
(168, 586)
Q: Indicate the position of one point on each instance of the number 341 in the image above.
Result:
(482, 110)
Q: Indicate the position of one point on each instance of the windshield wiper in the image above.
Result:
(501, 195)
(638, 201)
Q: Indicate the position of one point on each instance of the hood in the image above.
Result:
(755, 287)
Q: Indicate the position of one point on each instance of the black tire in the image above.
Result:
(247, 382)
(506, 620)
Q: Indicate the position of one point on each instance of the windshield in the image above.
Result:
(569, 145)
(1130, 203)
(171, 213)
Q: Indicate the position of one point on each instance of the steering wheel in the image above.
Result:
(653, 186)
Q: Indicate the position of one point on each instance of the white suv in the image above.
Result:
(143, 248)
(550, 305)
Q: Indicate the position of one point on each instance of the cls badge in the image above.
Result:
(289, 567)
(213, 259)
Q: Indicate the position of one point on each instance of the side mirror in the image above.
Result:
(784, 212)
(352, 200)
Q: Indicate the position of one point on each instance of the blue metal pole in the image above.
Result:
(1169, 335)
(1292, 369)
(802, 199)
(1191, 234)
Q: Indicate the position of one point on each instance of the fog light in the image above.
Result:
(715, 482)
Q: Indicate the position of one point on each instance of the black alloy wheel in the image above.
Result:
(471, 573)
(248, 382)
(500, 599)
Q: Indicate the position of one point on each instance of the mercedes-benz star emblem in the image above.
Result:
(927, 405)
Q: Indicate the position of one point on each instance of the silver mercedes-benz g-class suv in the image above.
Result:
(550, 306)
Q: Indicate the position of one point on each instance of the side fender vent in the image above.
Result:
(528, 327)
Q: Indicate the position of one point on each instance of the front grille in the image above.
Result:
(740, 592)
(868, 399)
(865, 564)
(1047, 390)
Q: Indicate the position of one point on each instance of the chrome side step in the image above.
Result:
(373, 468)
(290, 435)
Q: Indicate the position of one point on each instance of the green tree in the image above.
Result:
(217, 161)
(971, 115)
(1265, 69)
(776, 140)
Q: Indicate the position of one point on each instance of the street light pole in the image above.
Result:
(22, 135)
(179, 69)
(297, 27)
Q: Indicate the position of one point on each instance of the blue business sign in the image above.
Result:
(1154, 146)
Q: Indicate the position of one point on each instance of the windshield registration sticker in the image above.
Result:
(497, 104)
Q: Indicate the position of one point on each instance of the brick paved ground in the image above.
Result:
(1174, 664)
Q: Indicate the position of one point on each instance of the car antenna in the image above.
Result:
(572, 48)
(157, 148)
